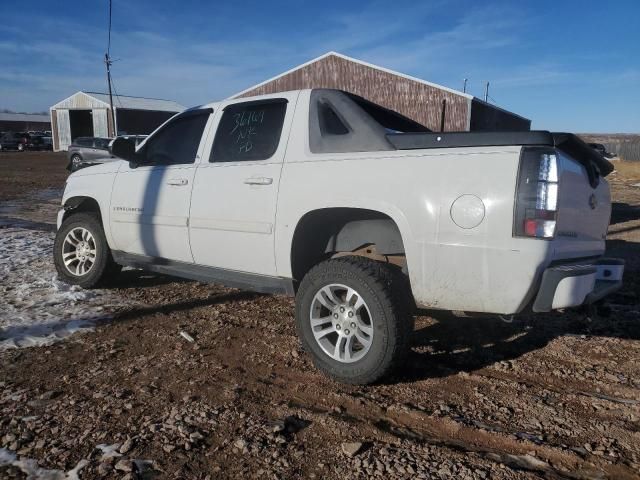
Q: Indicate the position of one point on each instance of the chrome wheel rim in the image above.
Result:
(79, 251)
(341, 323)
(75, 161)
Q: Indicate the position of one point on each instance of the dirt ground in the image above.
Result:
(550, 396)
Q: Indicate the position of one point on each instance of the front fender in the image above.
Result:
(98, 186)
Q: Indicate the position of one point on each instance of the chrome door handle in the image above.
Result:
(258, 181)
(177, 181)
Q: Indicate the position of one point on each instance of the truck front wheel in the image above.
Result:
(352, 319)
(81, 253)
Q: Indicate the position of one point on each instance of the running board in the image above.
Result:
(200, 273)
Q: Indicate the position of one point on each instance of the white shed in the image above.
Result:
(88, 114)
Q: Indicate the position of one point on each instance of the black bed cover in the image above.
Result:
(567, 142)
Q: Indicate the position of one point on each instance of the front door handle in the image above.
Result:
(177, 181)
(258, 181)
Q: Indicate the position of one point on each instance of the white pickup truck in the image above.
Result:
(359, 212)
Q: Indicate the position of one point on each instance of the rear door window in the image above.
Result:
(249, 131)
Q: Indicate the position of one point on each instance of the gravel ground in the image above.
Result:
(550, 396)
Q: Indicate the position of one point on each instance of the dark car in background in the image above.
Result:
(87, 151)
(15, 141)
(40, 143)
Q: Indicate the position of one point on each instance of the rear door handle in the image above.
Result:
(177, 181)
(258, 181)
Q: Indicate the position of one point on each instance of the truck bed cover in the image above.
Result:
(566, 142)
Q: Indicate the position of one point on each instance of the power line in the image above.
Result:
(109, 40)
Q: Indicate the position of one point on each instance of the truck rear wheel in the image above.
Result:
(81, 253)
(352, 319)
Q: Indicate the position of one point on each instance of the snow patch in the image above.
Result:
(6, 456)
(35, 307)
(109, 451)
(30, 467)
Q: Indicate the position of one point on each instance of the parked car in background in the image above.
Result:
(14, 141)
(48, 142)
(40, 142)
(88, 151)
(84, 151)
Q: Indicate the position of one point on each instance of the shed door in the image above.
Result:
(64, 129)
(100, 123)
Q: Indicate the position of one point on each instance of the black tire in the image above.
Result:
(381, 287)
(103, 269)
(75, 161)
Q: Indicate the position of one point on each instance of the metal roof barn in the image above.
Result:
(88, 114)
(24, 122)
(437, 107)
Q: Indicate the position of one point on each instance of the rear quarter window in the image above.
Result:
(249, 131)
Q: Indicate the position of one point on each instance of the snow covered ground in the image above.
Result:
(36, 308)
(34, 472)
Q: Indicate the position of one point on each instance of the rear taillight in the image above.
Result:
(537, 195)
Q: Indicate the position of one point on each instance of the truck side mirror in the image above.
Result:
(124, 148)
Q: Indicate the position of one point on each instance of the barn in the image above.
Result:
(88, 114)
(24, 122)
(437, 107)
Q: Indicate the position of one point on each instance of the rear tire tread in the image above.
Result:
(388, 285)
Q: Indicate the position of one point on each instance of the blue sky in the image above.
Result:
(568, 65)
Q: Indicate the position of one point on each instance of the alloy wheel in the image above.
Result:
(341, 323)
(79, 251)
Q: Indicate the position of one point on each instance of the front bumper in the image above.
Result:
(577, 284)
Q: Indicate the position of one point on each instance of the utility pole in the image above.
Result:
(108, 62)
(486, 93)
(464, 87)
